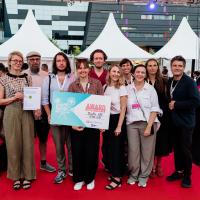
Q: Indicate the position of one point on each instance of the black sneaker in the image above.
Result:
(186, 181)
(175, 176)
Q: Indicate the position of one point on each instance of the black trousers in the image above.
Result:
(85, 154)
(181, 140)
(115, 157)
(103, 147)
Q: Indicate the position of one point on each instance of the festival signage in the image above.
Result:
(76, 109)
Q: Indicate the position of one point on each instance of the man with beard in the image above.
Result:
(42, 128)
(98, 57)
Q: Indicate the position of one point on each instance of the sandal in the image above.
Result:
(26, 184)
(109, 178)
(116, 182)
(17, 184)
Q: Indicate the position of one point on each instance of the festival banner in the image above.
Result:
(76, 109)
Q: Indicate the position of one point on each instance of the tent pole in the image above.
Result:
(192, 68)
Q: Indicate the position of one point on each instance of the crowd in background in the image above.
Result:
(150, 115)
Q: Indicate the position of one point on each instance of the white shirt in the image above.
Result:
(148, 100)
(115, 97)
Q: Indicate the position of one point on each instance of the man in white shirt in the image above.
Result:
(41, 126)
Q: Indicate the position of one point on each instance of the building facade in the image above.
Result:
(81, 23)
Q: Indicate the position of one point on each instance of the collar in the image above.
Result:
(103, 73)
(15, 76)
(133, 86)
(54, 75)
(77, 81)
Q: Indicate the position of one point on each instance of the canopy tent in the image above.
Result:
(115, 44)
(184, 42)
(30, 38)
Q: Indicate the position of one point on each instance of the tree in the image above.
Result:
(55, 42)
(76, 51)
(152, 52)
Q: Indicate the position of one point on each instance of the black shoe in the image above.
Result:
(175, 176)
(186, 181)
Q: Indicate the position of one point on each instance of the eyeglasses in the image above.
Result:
(36, 59)
(64, 61)
(17, 61)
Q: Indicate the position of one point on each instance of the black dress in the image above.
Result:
(163, 146)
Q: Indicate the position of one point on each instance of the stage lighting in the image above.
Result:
(152, 5)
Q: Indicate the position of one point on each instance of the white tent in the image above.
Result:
(184, 42)
(30, 38)
(115, 44)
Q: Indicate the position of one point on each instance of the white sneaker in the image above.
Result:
(90, 186)
(142, 184)
(78, 185)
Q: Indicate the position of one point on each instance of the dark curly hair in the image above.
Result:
(54, 67)
(98, 51)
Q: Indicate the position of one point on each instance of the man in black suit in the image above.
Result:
(183, 98)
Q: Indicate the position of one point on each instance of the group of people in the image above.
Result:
(149, 116)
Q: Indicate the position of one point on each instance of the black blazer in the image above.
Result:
(187, 98)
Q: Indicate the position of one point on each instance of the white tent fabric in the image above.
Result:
(184, 42)
(30, 38)
(115, 44)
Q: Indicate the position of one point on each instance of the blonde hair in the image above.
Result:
(120, 81)
(13, 54)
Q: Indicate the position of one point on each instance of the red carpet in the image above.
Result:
(44, 188)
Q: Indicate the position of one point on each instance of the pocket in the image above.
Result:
(130, 100)
(146, 101)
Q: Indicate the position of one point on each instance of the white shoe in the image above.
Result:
(142, 184)
(78, 185)
(90, 186)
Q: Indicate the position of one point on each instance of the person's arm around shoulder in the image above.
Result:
(155, 109)
(45, 97)
(193, 94)
(123, 100)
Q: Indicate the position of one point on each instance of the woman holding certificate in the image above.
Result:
(115, 136)
(59, 80)
(85, 141)
(18, 123)
(142, 124)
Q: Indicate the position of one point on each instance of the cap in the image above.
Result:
(32, 53)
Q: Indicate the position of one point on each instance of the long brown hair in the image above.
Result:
(159, 79)
(120, 81)
(54, 67)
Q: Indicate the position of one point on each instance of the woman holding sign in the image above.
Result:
(18, 123)
(85, 141)
(59, 80)
(115, 136)
(142, 124)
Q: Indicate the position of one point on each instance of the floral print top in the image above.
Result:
(13, 84)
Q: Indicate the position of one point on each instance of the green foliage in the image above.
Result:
(55, 42)
(152, 52)
(76, 51)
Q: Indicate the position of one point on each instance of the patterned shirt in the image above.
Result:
(93, 87)
(13, 84)
(126, 83)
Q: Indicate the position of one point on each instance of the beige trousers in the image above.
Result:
(19, 135)
(61, 135)
(140, 151)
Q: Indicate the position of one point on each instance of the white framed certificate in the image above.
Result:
(32, 98)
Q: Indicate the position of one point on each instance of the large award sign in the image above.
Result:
(75, 109)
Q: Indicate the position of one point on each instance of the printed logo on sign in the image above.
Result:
(96, 108)
(64, 108)
(92, 125)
